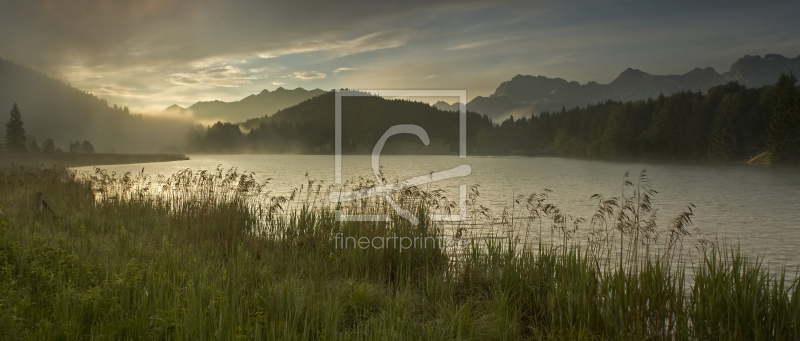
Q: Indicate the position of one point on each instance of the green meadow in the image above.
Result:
(214, 256)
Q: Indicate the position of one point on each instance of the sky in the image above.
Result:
(150, 54)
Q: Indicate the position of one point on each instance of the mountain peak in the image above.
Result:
(442, 105)
(755, 71)
(698, 70)
(707, 74)
(631, 73)
(771, 56)
(521, 86)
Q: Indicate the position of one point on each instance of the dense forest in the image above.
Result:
(729, 123)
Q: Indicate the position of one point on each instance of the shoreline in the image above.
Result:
(82, 160)
(687, 162)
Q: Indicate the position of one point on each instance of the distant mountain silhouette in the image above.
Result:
(754, 71)
(52, 109)
(526, 95)
(442, 105)
(264, 104)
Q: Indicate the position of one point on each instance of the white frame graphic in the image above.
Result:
(384, 190)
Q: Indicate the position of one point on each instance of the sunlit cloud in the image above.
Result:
(157, 53)
(261, 69)
(370, 42)
(108, 90)
(308, 75)
(209, 62)
(345, 69)
(227, 76)
(476, 44)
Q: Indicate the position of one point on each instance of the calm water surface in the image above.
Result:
(757, 206)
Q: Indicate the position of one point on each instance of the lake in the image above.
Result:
(757, 206)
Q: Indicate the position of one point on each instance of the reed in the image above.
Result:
(214, 255)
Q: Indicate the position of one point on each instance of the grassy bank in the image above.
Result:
(83, 159)
(214, 256)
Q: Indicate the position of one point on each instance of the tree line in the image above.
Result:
(17, 141)
(728, 123)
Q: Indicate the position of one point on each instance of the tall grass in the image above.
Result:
(214, 255)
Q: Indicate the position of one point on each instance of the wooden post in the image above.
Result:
(39, 203)
(39, 210)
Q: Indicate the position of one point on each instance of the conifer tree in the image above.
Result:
(15, 132)
(783, 137)
(724, 140)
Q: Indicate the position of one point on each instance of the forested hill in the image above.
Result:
(53, 109)
(309, 128)
(729, 123)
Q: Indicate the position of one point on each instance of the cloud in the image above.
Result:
(261, 69)
(153, 53)
(476, 44)
(427, 78)
(341, 48)
(277, 83)
(227, 76)
(214, 61)
(109, 90)
(344, 69)
(308, 75)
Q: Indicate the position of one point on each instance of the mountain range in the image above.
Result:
(526, 95)
(264, 104)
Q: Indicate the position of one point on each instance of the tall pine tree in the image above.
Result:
(724, 142)
(15, 132)
(783, 137)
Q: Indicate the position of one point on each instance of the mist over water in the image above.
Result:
(757, 207)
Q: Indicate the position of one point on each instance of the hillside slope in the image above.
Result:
(309, 128)
(53, 109)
